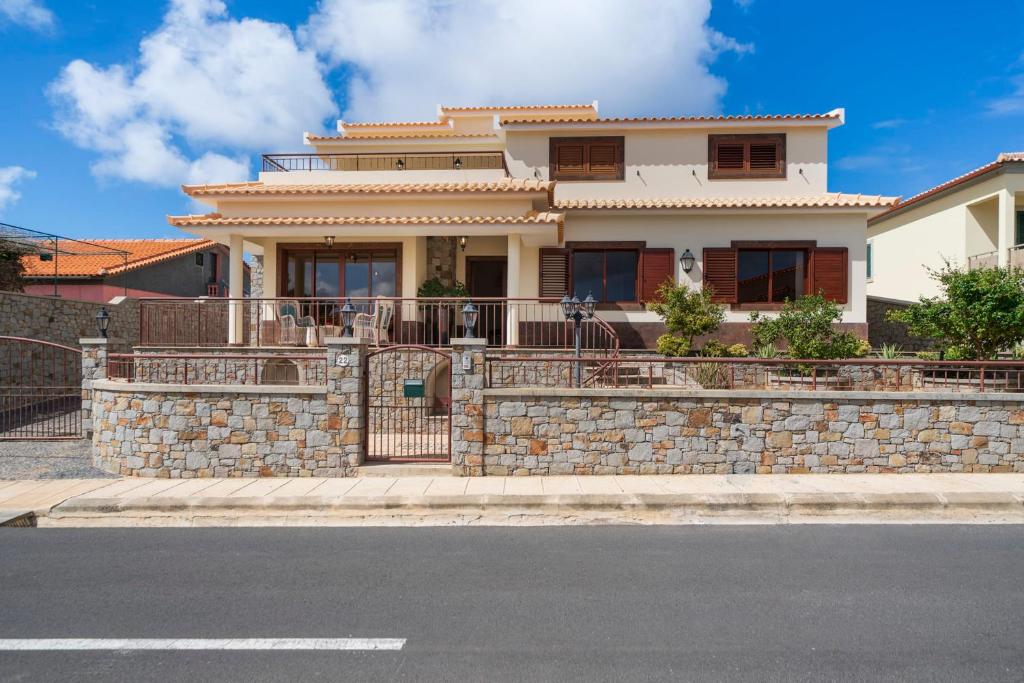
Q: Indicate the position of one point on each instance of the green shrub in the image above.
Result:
(956, 353)
(808, 325)
(927, 355)
(672, 346)
(688, 312)
(737, 351)
(766, 351)
(434, 288)
(863, 348)
(712, 375)
(890, 352)
(715, 348)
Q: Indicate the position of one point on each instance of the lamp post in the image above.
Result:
(103, 321)
(348, 318)
(470, 313)
(578, 311)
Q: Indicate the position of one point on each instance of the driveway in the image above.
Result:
(48, 460)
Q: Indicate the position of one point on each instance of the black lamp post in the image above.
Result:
(470, 313)
(348, 318)
(578, 311)
(103, 321)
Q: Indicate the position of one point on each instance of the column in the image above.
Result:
(1007, 220)
(468, 406)
(346, 402)
(94, 367)
(515, 247)
(236, 285)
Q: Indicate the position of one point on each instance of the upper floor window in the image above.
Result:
(598, 158)
(746, 156)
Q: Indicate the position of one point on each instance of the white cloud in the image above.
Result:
(207, 89)
(408, 55)
(888, 124)
(28, 13)
(10, 176)
(1012, 103)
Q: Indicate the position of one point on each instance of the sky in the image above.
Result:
(111, 106)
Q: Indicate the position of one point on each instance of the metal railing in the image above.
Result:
(505, 371)
(220, 369)
(412, 161)
(40, 390)
(989, 259)
(385, 321)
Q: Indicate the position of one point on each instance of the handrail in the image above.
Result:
(468, 160)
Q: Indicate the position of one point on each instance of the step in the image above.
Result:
(405, 469)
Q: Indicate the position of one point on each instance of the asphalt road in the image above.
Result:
(540, 604)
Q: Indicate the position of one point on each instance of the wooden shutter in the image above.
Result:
(599, 158)
(656, 266)
(746, 156)
(554, 272)
(764, 156)
(830, 273)
(569, 159)
(729, 156)
(720, 273)
(603, 158)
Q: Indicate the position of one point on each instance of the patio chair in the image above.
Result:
(296, 329)
(376, 326)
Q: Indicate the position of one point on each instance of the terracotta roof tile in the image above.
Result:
(769, 118)
(141, 253)
(1001, 160)
(396, 136)
(525, 185)
(519, 107)
(828, 200)
(394, 124)
(215, 219)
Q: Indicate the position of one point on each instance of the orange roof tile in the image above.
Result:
(519, 107)
(1000, 162)
(216, 219)
(394, 124)
(141, 253)
(768, 118)
(523, 185)
(827, 200)
(396, 136)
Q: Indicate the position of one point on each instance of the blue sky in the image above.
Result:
(929, 94)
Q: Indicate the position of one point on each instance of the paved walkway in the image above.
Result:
(519, 500)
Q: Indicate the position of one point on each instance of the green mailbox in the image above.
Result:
(413, 388)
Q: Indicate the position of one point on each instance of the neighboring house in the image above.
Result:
(974, 220)
(545, 200)
(148, 268)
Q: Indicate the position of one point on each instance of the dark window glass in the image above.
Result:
(383, 280)
(588, 274)
(771, 275)
(752, 275)
(620, 280)
(1020, 228)
(327, 280)
(300, 275)
(357, 275)
(787, 274)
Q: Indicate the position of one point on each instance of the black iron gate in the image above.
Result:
(408, 404)
(40, 390)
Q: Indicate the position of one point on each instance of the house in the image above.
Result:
(974, 220)
(524, 203)
(99, 270)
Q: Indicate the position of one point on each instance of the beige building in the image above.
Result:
(974, 220)
(530, 203)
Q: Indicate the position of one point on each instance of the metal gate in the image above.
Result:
(408, 404)
(40, 390)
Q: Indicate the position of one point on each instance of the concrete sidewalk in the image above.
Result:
(679, 499)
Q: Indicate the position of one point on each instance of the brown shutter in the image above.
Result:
(730, 156)
(830, 273)
(657, 266)
(604, 158)
(764, 156)
(554, 272)
(569, 159)
(720, 273)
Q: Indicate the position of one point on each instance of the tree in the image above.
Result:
(979, 312)
(11, 267)
(687, 312)
(808, 325)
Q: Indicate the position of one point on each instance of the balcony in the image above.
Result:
(990, 259)
(413, 161)
(1017, 256)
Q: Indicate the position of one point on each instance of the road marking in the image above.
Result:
(53, 644)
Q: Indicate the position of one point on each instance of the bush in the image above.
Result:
(956, 353)
(737, 351)
(766, 351)
(927, 355)
(808, 327)
(434, 288)
(688, 312)
(715, 348)
(672, 346)
(890, 352)
(980, 312)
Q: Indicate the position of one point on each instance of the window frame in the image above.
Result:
(342, 251)
(587, 174)
(746, 173)
(807, 247)
(636, 248)
(869, 261)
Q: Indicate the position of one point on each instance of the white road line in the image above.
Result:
(125, 644)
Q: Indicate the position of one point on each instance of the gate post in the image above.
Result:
(468, 406)
(94, 366)
(346, 399)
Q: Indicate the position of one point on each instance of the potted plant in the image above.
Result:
(438, 316)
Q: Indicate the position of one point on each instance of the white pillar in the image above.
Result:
(515, 247)
(236, 287)
(1007, 219)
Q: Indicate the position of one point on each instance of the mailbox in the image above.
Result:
(413, 388)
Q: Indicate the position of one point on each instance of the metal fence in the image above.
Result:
(756, 374)
(40, 390)
(221, 369)
(412, 161)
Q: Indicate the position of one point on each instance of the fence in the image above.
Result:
(186, 369)
(423, 161)
(756, 373)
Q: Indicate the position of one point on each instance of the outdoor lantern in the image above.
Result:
(458, 163)
(568, 310)
(348, 318)
(400, 165)
(329, 241)
(470, 313)
(462, 242)
(589, 304)
(103, 321)
(687, 260)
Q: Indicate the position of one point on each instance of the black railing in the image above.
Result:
(413, 161)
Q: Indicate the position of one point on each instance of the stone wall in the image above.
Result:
(529, 432)
(65, 321)
(441, 253)
(881, 331)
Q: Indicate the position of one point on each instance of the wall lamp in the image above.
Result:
(463, 241)
(329, 241)
(687, 260)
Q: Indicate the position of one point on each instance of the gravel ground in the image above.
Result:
(48, 460)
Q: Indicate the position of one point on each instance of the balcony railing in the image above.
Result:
(307, 322)
(1017, 256)
(989, 259)
(413, 161)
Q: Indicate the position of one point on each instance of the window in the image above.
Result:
(613, 272)
(199, 259)
(768, 273)
(746, 156)
(587, 158)
(340, 273)
(870, 254)
(609, 275)
(1019, 236)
